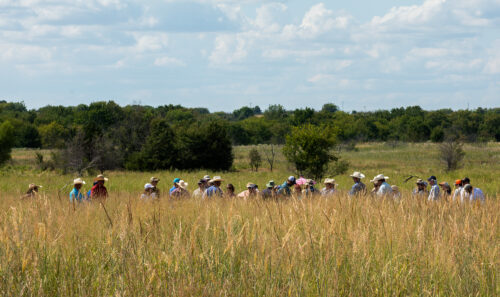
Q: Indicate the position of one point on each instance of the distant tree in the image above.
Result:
(330, 108)
(310, 149)
(270, 156)
(243, 113)
(53, 135)
(451, 153)
(302, 116)
(6, 141)
(254, 159)
(275, 112)
(437, 134)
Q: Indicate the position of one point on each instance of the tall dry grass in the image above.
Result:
(311, 247)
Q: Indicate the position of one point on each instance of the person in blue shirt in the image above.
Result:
(434, 192)
(76, 194)
(358, 188)
(285, 188)
(214, 190)
(176, 181)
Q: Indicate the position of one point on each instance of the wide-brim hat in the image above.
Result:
(78, 181)
(250, 185)
(330, 181)
(32, 186)
(216, 179)
(420, 182)
(182, 184)
(100, 177)
(358, 175)
(379, 177)
(148, 186)
(270, 184)
(444, 184)
(154, 179)
(395, 188)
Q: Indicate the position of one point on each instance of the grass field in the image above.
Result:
(311, 247)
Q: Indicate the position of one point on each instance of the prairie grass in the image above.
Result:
(310, 247)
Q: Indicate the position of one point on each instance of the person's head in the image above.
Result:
(395, 189)
(202, 183)
(357, 176)
(432, 180)
(465, 181)
(291, 181)
(468, 188)
(270, 184)
(78, 183)
(100, 179)
(421, 184)
(329, 183)
(176, 182)
(148, 188)
(230, 188)
(458, 183)
(252, 188)
(33, 188)
(445, 186)
(216, 181)
(154, 181)
(379, 179)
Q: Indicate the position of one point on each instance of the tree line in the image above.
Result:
(104, 135)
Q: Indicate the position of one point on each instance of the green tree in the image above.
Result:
(6, 141)
(254, 159)
(53, 135)
(310, 149)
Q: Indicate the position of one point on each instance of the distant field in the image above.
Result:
(311, 247)
(481, 164)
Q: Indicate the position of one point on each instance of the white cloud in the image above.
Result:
(150, 42)
(228, 49)
(168, 61)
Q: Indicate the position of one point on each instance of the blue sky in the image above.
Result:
(224, 54)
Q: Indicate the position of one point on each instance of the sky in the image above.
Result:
(225, 54)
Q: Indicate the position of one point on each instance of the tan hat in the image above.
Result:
(421, 182)
(395, 188)
(101, 177)
(182, 184)
(32, 186)
(250, 185)
(330, 181)
(358, 175)
(78, 181)
(379, 177)
(154, 179)
(216, 179)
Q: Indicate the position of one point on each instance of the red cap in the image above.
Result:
(458, 182)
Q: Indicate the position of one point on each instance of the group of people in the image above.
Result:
(210, 187)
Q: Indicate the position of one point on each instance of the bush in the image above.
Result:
(309, 148)
(451, 153)
(6, 141)
(255, 159)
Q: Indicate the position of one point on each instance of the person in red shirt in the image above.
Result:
(99, 191)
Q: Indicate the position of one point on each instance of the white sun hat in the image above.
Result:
(379, 177)
(330, 181)
(78, 181)
(216, 179)
(358, 175)
(148, 186)
(182, 184)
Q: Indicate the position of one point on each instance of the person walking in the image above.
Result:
(421, 189)
(286, 188)
(99, 191)
(383, 188)
(458, 190)
(434, 192)
(329, 189)
(181, 191)
(76, 195)
(175, 186)
(148, 193)
(446, 190)
(154, 182)
(309, 189)
(359, 188)
(214, 190)
(472, 194)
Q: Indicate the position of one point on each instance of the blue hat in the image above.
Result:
(291, 178)
(176, 180)
(432, 178)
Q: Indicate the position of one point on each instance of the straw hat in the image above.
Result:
(379, 177)
(358, 175)
(395, 188)
(182, 184)
(101, 177)
(216, 179)
(444, 184)
(32, 186)
(250, 185)
(206, 177)
(154, 179)
(78, 181)
(330, 181)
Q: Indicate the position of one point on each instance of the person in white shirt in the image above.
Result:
(395, 192)
(472, 194)
(465, 181)
(329, 189)
(434, 192)
(148, 193)
(384, 189)
(458, 190)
